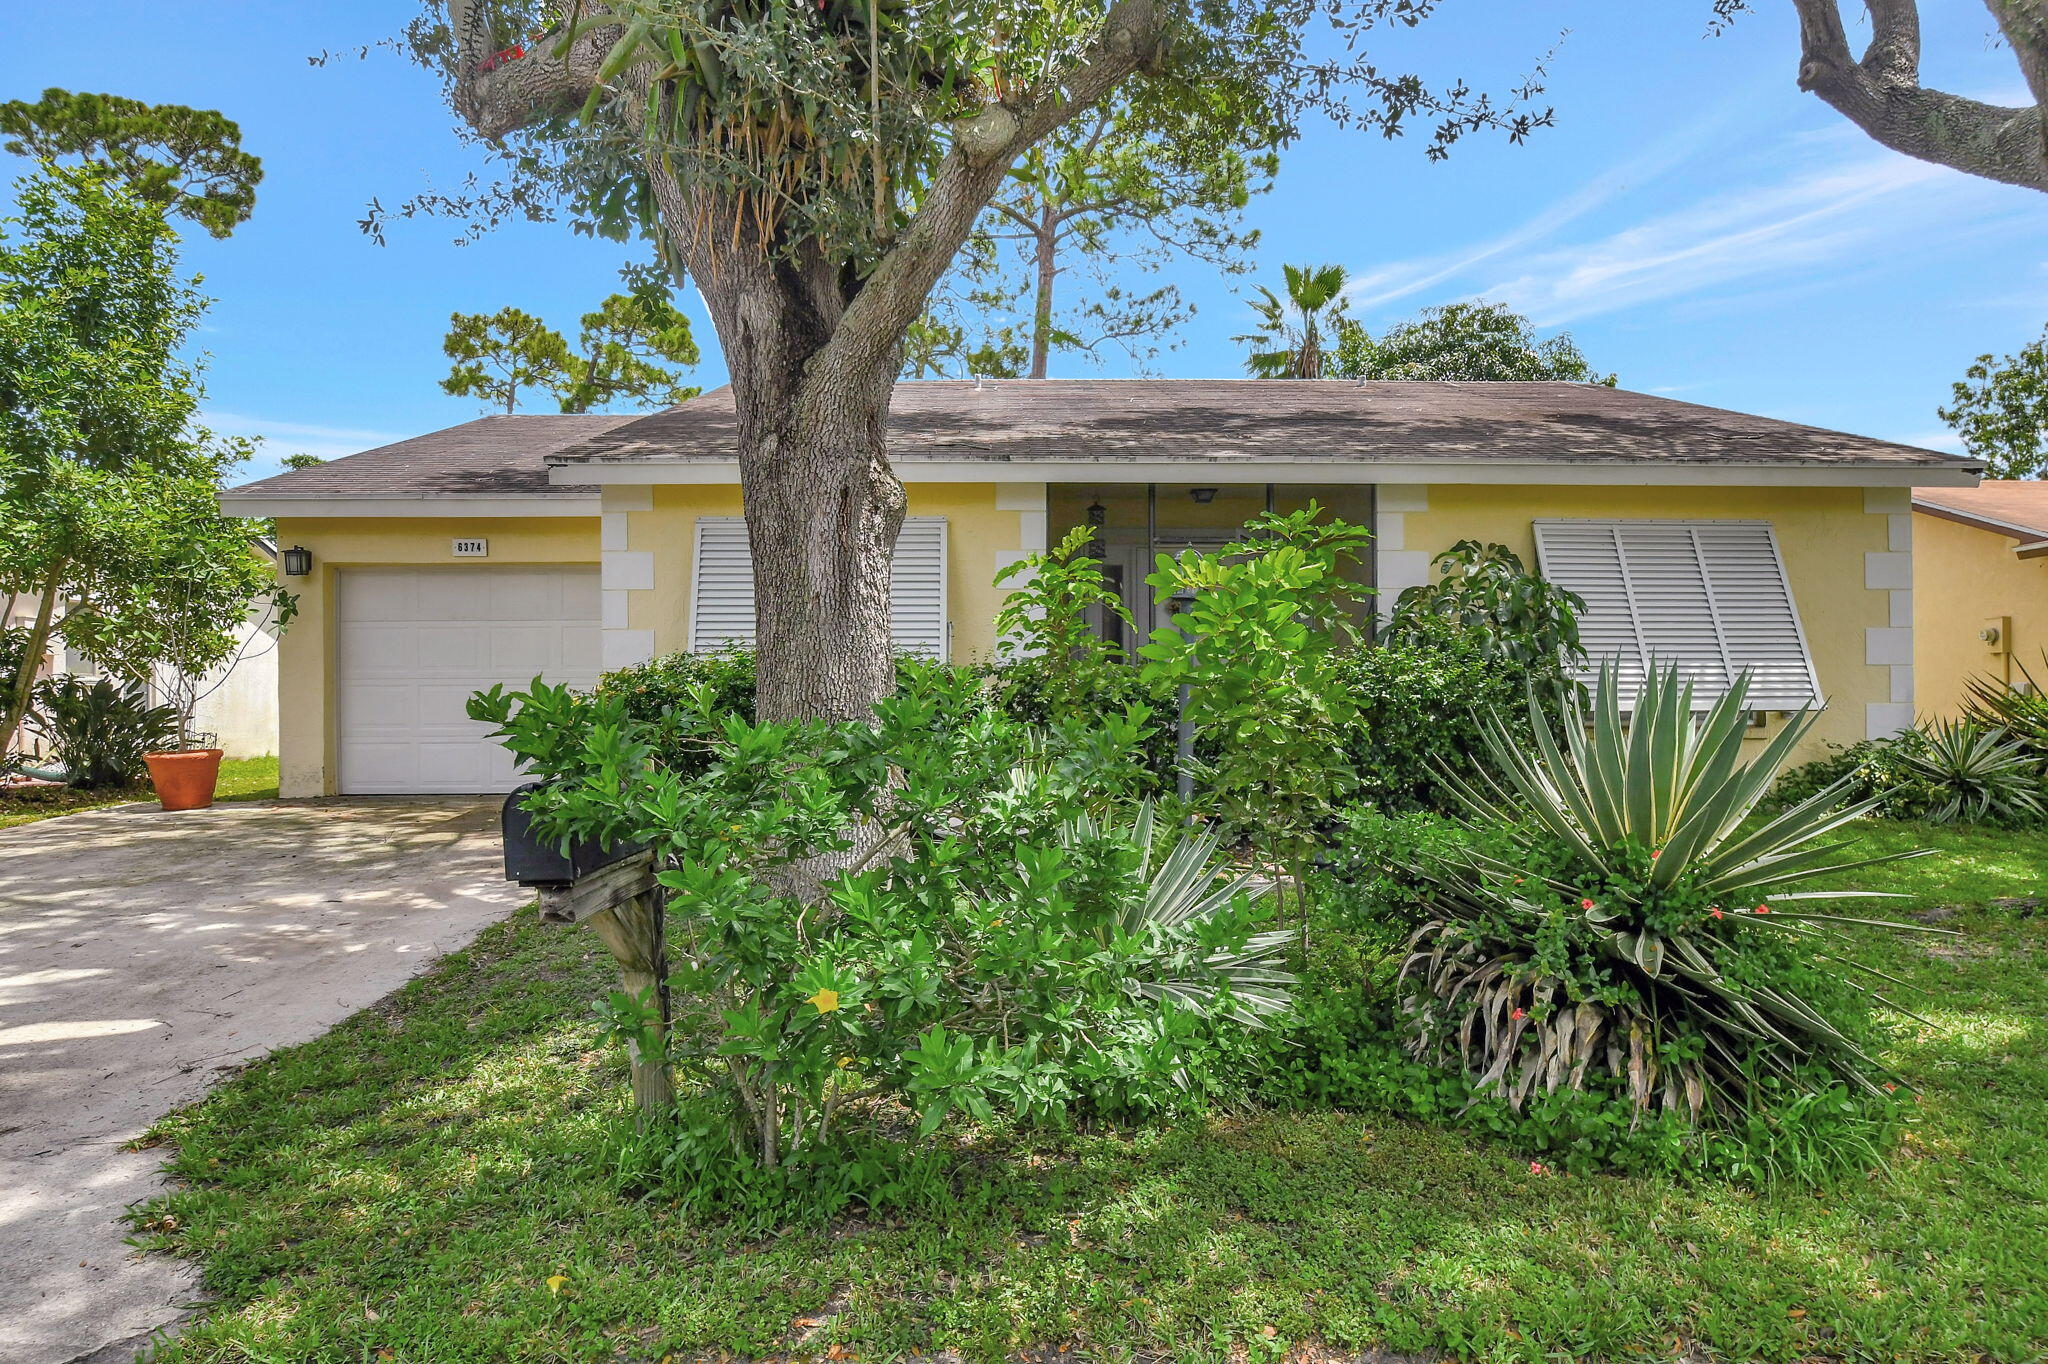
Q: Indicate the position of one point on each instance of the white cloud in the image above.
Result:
(281, 438)
(1809, 222)
(1371, 288)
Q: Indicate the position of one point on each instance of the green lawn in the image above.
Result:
(407, 1188)
(240, 779)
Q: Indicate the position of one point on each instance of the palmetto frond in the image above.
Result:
(1184, 881)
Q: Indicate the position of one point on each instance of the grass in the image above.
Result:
(240, 779)
(429, 1182)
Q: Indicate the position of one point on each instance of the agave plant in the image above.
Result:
(1185, 882)
(1976, 775)
(2022, 712)
(1643, 927)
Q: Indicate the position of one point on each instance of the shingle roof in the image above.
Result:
(1098, 421)
(2014, 507)
(1114, 421)
(492, 457)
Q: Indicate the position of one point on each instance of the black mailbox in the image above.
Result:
(532, 861)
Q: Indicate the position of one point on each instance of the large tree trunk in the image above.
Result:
(812, 347)
(823, 509)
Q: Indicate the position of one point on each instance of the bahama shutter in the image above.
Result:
(722, 595)
(722, 586)
(1707, 597)
(917, 588)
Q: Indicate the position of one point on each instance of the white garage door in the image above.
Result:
(413, 643)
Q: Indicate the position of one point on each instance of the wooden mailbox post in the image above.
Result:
(624, 903)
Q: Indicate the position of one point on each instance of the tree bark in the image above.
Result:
(1881, 92)
(1047, 233)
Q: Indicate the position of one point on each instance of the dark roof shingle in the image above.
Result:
(1133, 420)
(490, 457)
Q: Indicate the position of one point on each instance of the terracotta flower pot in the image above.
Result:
(184, 781)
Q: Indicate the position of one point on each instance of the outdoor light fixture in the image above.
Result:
(298, 561)
(1203, 495)
(1097, 514)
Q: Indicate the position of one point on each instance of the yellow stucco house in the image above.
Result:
(1980, 589)
(567, 545)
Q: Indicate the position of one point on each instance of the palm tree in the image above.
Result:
(1289, 343)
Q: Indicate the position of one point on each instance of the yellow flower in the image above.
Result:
(825, 1001)
(555, 1282)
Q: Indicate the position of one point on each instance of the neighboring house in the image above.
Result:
(1980, 588)
(566, 545)
(237, 700)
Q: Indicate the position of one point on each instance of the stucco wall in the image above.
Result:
(1962, 578)
(1847, 554)
(305, 673)
(650, 540)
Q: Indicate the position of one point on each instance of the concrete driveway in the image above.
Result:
(142, 956)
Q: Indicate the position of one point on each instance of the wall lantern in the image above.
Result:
(1203, 495)
(298, 561)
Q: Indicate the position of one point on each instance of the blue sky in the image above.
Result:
(1700, 226)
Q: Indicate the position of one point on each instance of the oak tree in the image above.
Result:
(1474, 342)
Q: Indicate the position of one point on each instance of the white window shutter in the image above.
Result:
(1708, 597)
(722, 590)
(722, 586)
(917, 588)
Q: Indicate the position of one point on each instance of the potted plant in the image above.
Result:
(185, 777)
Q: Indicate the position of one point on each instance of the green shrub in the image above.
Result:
(100, 731)
(1001, 947)
(1485, 592)
(1417, 707)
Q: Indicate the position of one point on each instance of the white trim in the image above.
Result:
(1267, 469)
(1395, 566)
(1886, 500)
(627, 499)
(1884, 569)
(452, 507)
(1891, 645)
(1021, 497)
(627, 570)
(624, 648)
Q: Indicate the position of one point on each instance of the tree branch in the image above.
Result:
(1882, 94)
(553, 77)
(984, 147)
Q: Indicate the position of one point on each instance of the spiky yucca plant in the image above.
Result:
(1643, 927)
(2021, 711)
(1975, 775)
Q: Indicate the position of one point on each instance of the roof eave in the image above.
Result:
(710, 469)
